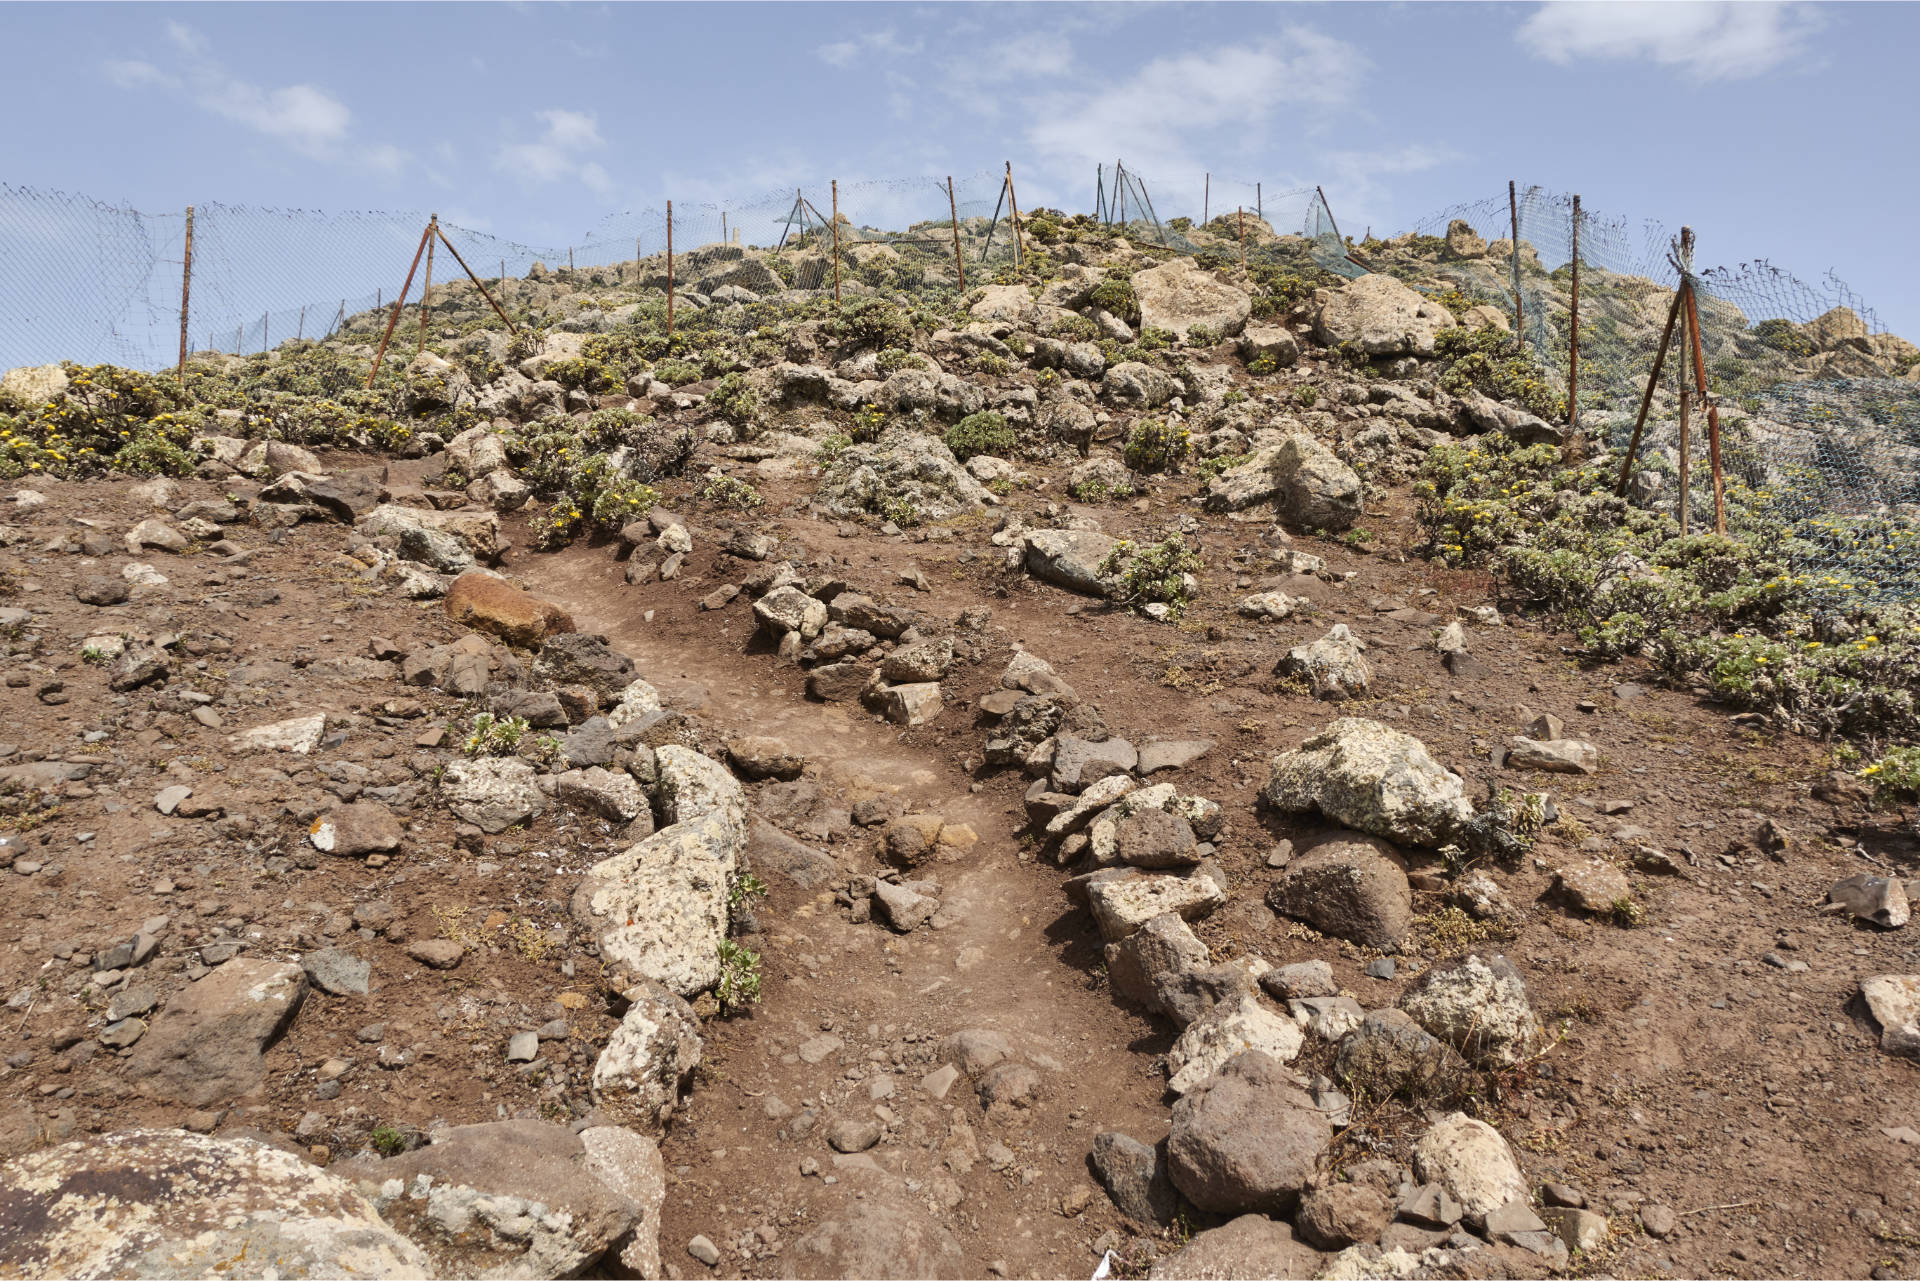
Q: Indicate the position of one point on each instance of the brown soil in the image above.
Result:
(1692, 1073)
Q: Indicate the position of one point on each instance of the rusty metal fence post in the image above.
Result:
(186, 289)
(953, 208)
(1573, 329)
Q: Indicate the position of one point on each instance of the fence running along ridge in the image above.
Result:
(1819, 407)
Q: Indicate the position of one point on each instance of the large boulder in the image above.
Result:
(630, 1165)
(1372, 778)
(478, 532)
(1381, 317)
(659, 908)
(1479, 1007)
(488, 603)
(207, 1046)
(1069, 558)
(903, 469)
(1246, 1139)
(168, 1203)
(505, 1198)
(1312, 488)
(1353, 889)
(1177, 295)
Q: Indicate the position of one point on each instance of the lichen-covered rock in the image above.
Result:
(1373, 779)
(1381, 317)
(649, 1058)
(1479, 1007)
(1227, 1030)
(1177, 295)
(1335, 666)
(501, 1199)
(580, 658)
(168, 1203)
(492, 793)
(902, 471)
(659, 908)
(1161, 947)
(477, 532)
(1136, 386)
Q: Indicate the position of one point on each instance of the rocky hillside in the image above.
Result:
(1140, 764)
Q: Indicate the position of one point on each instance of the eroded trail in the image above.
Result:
(855, 1021)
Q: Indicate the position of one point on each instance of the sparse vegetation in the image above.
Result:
(1160, 572)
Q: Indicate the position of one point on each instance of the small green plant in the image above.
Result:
(1261, 366)
(991, 364)
(490, 735)
(1208, 468)
(1095, 492)
(1158, 572)
(901, 511)
(739, 985)
(1156, 445)
(728, 491)
(1306, 397)
(743, 891)
(986, 432)
(868, 422)
(1202, 336)
(95, 655)
(830, 447)
(1358, 537)
(1897, 773)
(387, 1140)
(676, 373)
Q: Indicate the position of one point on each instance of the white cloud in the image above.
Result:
(307, 118)
(559, 152)
(844, 53)
(1158, 116)
(1715, 39)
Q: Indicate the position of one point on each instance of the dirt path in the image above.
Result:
(1013, 960)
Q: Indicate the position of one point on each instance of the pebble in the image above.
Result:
(1381, 969)
(524, 1047)
(705, 1251)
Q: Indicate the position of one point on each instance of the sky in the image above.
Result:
(1783, 131)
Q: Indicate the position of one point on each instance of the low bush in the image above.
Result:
(986, 432)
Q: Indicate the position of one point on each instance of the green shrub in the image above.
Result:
(870, 322)
(831, 447)
(1094, 492)
(986, 432)
(1157, 572)
(894, 359)
(1201, 336)
(989, 363)
(734, 399)
(1156, 445)
(1897, 773)
(676, 373)
(900, 511)
(1497, 365)
(868, 422)
(726, 491)
(1115, 295)
(566, 462)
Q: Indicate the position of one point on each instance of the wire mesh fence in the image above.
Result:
(1819, 407)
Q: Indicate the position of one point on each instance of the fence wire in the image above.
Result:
(1819, 406)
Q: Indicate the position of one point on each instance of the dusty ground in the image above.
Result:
(1693, 1071)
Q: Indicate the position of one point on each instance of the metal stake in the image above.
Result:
(836, 242)
(1646, 401)
(959, 263)
(1573, 341)
(393, 317)
(1513, 206)
(186, 288)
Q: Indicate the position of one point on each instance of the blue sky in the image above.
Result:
(1785, 131)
